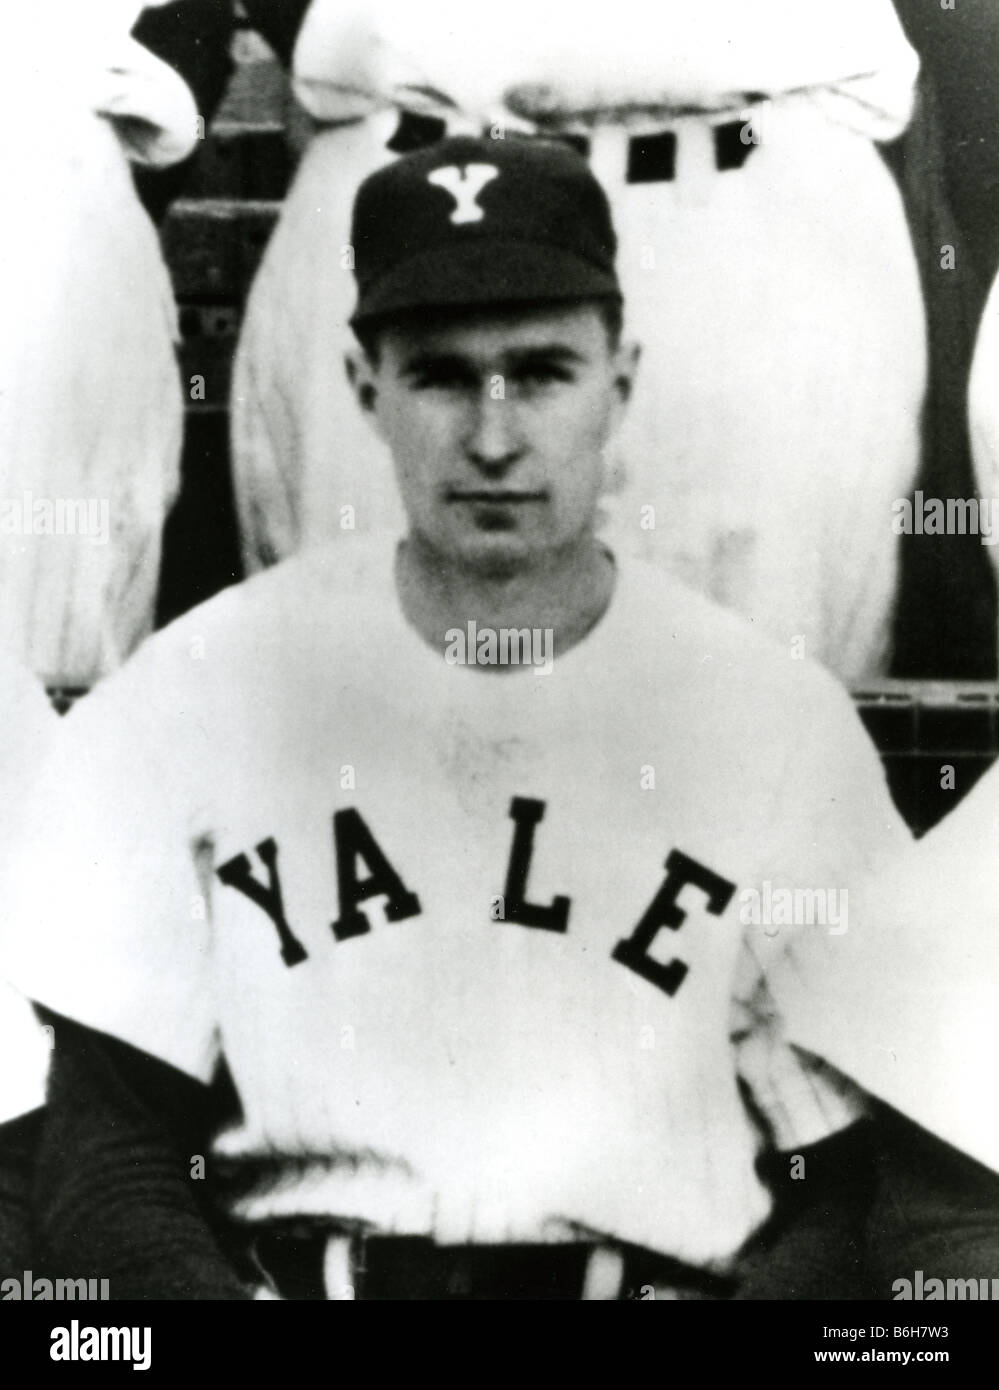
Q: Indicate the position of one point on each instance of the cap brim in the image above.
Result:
(480, 273)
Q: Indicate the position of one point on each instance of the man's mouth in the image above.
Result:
(495, 498)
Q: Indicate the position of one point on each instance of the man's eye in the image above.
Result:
(542, 374)
(442, 379)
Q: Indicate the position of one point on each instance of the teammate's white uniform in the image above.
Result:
(776, 414)
(91, 411)
(26, 1054)
(29, 724)
(403, 899)
(983, 409)
(908, 1001)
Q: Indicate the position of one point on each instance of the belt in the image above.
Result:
(298, 1263)
(650, 158)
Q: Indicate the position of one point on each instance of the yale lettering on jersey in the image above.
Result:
(355, 845)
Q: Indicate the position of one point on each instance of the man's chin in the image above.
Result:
(493, 553)
(501, 555)
(496, 557)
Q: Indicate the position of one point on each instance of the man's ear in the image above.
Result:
(361, 376)
(627, 357)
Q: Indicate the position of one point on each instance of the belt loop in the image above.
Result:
(652, 158)
(340, 1268)
(603, 1281)
(735, 140)
(697, 168)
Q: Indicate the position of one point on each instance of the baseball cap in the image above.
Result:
(473, 222)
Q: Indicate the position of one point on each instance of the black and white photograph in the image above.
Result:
(499, 526)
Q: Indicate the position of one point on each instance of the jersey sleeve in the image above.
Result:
(106, 919)
(28, 724)
(907, 1002)
(834, 823)
(24, 1047)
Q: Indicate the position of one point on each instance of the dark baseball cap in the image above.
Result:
(474, 222)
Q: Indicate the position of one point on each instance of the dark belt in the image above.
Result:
(651, 158)
(403, 1268)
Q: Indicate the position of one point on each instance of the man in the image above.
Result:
(765, 256)
(404, 895)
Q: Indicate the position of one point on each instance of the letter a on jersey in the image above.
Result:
(464, 185)
(353, 841)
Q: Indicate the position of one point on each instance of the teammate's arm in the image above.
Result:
(934, 1209)
(814, 1246)
(18, 1142)
(871, 1206)
(113, 1184)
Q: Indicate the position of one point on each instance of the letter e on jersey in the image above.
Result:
(664, 911)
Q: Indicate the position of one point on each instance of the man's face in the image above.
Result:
(497, 425)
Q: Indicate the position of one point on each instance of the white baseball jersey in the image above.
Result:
(765, 260)
(908, 1001)
(470, 943)
(91, 412)
(983, 409)
(28, 723)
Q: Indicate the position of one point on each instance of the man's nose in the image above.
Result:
(494, 439)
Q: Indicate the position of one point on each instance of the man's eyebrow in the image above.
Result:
(427, 360)
(430, 361)
(550, 352)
